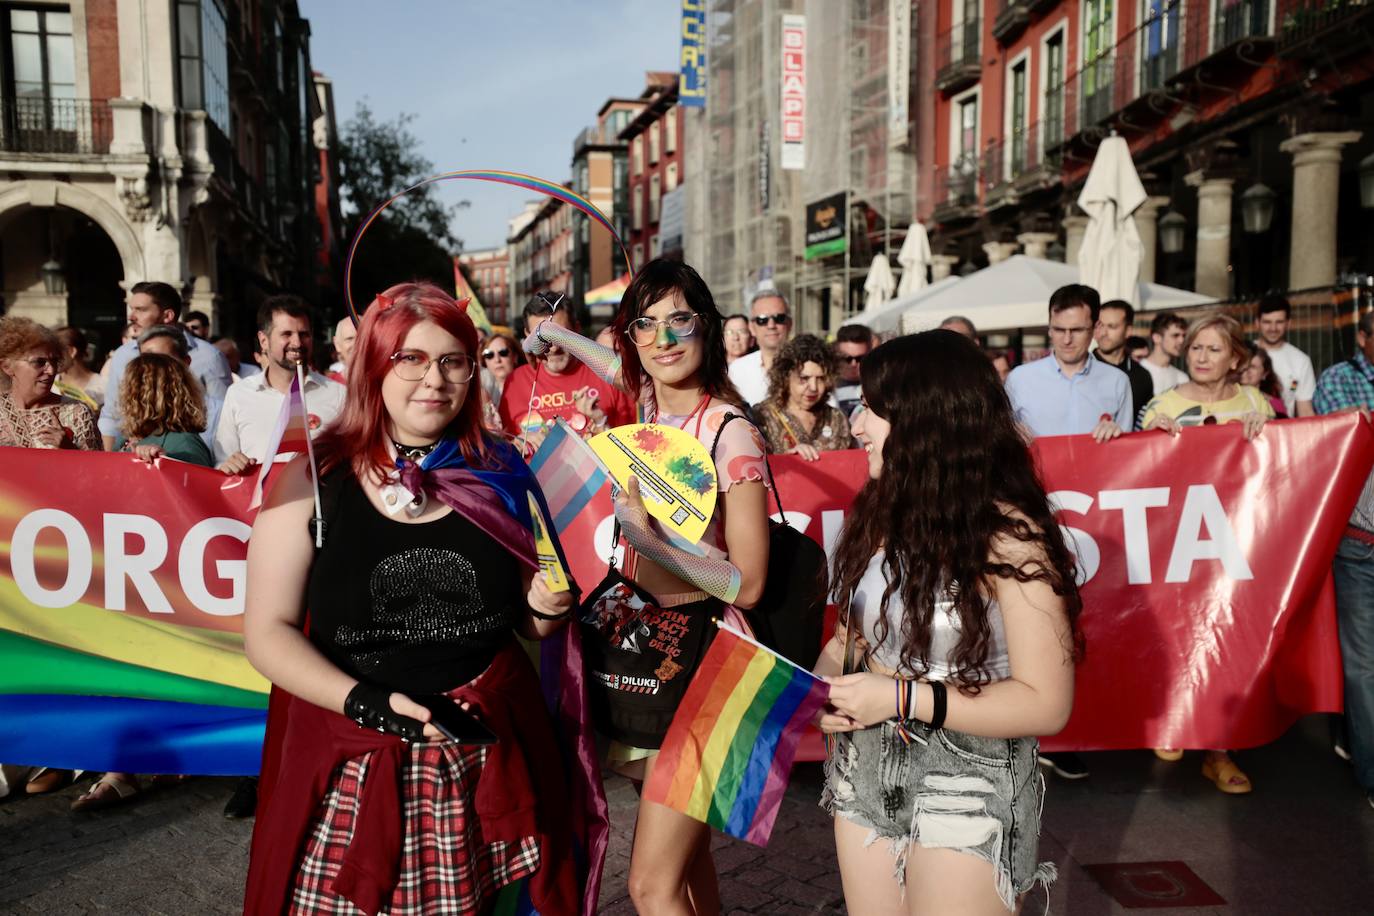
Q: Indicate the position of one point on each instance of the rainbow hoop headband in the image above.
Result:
(515, 179)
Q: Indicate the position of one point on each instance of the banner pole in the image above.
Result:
(318, 521)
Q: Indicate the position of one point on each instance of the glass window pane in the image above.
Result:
(28, 59)
(190, 85)
(57, 23)
(24, 20)
(61, 59)
(188, 30)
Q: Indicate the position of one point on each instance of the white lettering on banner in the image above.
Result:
(1201, 505)
(557, 399)
(79, 558)
(137, 568)
(191, 566)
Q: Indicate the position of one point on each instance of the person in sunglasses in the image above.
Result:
(771, 324)
(852, 343)
(500, 356)
(555, 385)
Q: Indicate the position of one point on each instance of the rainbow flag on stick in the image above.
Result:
(728, 754)
(291, 434)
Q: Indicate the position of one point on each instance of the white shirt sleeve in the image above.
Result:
(227, 431)
(1307, 383)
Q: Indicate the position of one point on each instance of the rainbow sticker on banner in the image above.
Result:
(677, 477)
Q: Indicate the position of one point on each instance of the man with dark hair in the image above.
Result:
(198, 323)
(1346, 387)
(555, 385)
(1291, 365)
(152, 303)
(852, 344)
(252, 404)
(1166, 342)
(1114, 321)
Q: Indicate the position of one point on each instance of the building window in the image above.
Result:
(1017, 133)
(1053, 117)
(1159, 43)
(653, 143)
(670, 177)
(654, 194)
(41, 80)
(203, 59)
(638, 256)
(670, 131)
(636, 210)
(963, 168)
(637, 154)
(1097, 60)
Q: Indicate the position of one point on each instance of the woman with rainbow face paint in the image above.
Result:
(669, 352)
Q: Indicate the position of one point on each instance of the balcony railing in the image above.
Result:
(1012, 18)
(958, 56)
(1308, 22)
(55, 126)
(956, 189)
(1017, 164)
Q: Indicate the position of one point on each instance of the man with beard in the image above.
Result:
(1113, 325)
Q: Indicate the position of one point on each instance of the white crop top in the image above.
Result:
(944, 636)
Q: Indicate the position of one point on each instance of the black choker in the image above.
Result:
(415, 453)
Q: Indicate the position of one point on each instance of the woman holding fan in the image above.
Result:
(670, 354)
(958, 604)
(426, 572)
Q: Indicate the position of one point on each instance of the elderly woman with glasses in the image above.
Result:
(31, 415)
(797, 417)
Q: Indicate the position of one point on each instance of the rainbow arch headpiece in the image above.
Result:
(515, 179)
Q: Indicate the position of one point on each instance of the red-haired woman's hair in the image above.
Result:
(358, 438)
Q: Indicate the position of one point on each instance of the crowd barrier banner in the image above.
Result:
(1208, 613)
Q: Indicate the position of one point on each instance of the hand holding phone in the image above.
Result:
(454, 722)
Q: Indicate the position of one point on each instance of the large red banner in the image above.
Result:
(1205, 562)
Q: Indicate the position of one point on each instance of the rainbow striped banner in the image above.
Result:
(728, 754)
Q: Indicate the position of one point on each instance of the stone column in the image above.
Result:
(1316, 183)
(999, 251)
(1036, 244)
(1213, 234)
(1147, 224)
(942, 265)
(1074, 228)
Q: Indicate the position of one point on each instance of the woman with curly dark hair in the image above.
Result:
(798, 418)
(958, 610)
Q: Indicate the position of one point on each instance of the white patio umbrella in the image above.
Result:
(914, 258)
(1109, 259)
(880, 283)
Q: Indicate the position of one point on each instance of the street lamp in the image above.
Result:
(1173, 231)
(1257, 208)
(53, 280)
(1367, 182)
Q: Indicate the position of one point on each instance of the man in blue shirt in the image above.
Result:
(152, 303)
(1068, 392)
(1345, 387)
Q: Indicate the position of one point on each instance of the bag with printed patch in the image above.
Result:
(640, 657)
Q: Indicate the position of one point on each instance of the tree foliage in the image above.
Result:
(413, 239)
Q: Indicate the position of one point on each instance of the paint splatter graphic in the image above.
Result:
(691, 474)
(649, 440)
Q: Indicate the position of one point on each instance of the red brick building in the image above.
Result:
(487, 271)
(657, 159)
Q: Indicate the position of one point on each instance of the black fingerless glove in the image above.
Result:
(370, 706)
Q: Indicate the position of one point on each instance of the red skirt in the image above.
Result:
(445, 866)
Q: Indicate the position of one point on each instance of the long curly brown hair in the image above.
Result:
(159, 395)
(796, 353)
(957, 478)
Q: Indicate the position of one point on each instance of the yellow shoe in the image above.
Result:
(1169, 753)
(1224, 773)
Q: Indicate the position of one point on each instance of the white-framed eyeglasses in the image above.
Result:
(644, 331)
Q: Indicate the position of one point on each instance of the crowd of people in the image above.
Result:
(948, 653)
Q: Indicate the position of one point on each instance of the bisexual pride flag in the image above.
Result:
(728, 754)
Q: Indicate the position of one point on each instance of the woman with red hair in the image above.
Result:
(426, 572)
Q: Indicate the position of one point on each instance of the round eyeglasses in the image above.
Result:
(413, 366)
(644, 331)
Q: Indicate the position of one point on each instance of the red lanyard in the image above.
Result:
(699, 412)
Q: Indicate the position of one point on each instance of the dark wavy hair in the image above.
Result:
(796, 353)
(657, 280)
(957, 477)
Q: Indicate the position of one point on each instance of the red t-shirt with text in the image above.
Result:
(523, 413)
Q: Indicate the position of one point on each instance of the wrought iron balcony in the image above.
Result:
(958, 59)
(1012, 18)
(956, 190)
(1323, 27)
(36, 125)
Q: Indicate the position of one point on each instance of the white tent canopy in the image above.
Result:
(1015, 293)
(888, 316)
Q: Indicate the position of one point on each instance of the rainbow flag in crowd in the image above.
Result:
(291, 434)
(728, 754)
(568, 472)
(608, 293)
(463, 290)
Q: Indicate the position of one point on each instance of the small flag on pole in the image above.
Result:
(568, 472)
(728, 754)
(290, 435)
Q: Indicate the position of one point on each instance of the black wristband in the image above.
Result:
(370, 706)
(562, 616)
(941, 700)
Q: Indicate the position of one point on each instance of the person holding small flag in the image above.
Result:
(409, 763)
(958, 610)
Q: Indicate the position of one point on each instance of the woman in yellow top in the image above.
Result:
(1216, 353)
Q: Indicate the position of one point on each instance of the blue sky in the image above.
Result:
(503, 84)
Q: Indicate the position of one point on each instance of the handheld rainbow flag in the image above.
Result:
(463, 290)
(726, 758)
(291, 434)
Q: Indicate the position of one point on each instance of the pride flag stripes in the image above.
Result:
(726, 758)
(568, 472)
(291, 434)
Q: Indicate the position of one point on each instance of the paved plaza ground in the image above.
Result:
(1303, 842)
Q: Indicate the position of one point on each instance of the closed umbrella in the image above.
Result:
(1109, 259)
(914, 258)
(880, 284)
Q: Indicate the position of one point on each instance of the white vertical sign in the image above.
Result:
(793, 91)
(898, 71)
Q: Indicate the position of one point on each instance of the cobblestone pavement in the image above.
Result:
(1302, 843)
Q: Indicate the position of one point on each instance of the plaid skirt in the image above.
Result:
(445, 867)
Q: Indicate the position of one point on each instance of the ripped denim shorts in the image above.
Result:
(946, 789)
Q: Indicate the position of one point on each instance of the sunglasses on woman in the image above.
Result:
(493, 353)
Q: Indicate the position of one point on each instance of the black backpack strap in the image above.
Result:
(766, 466)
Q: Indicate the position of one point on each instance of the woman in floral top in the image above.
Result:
(798, 417)
(31, 415)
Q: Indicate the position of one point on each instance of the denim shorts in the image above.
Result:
(946, 789)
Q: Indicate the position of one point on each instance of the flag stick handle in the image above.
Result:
(310, 454)
(751, 640)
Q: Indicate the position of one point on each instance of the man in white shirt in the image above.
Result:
(771, 324)
(1167, 332)
(1291, 365)
(252, 405)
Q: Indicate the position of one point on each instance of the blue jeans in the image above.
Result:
(1354, 574)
